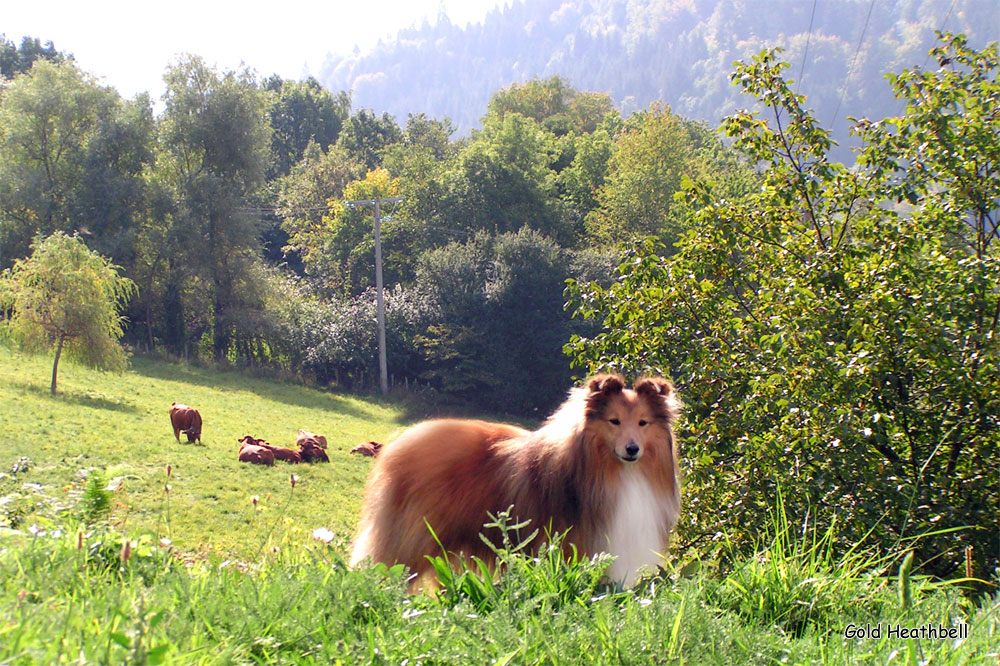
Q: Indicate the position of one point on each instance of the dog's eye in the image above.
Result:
(615, 421)
(642, 423)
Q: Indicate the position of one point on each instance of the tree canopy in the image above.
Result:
(68, 297)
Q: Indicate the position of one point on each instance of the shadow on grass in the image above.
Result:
(78, 398)
(239, 380)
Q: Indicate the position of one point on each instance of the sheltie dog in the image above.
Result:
(603, 467)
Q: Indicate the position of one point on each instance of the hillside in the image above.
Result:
(638, 51)
(118, 424)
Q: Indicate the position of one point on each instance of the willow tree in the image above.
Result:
(67, 297)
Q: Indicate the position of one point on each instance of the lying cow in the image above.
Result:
(312, 452)
(187, 420)
(288, 455)
(369, 449)
(252, 452)
(306, 436)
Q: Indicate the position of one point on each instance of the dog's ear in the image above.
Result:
(607, 384)
(659, 393)
(654, 387)
(600, 388)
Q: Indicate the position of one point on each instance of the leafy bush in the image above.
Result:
(502, 321)
(836, 333)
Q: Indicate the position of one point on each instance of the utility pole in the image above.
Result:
(383, 371)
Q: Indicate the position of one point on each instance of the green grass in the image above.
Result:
(86, 578)
(119, 424)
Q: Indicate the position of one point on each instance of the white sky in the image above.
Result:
(128, 43)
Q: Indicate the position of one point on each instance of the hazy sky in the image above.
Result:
(128, 44)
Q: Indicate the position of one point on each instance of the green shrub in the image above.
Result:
(836, 332)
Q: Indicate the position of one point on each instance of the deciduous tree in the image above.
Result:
(835, 332)
(68, 297)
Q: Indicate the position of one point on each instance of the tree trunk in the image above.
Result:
(55, 365)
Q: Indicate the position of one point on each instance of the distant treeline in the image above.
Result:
(676, 51)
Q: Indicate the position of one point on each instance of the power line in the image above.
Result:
(941, 29)
(805, 51)
(850, 69)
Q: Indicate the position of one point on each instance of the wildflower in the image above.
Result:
(323, 534)
(294, 480)
(126, 552)
(166, 488)
(255, 499)
(169, 470)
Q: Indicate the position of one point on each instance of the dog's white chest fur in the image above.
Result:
(639, 523)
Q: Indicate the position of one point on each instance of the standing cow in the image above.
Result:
(187, 420)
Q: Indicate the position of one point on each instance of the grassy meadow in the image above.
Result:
(237, 584)
(119, 425)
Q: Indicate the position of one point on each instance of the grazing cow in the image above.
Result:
(312, 452)
(306, 436)
(252, 452)
(369, 449)
(187, 420)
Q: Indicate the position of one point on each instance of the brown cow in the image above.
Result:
(312, 452)
(369, 449)
(306, 436)
(281, 453)
(252, 452)
(187, 420)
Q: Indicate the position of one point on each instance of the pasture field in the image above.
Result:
(119, 425)
(235, 584)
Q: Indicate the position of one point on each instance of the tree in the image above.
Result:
(303, 197)
(67, 296)
(216, 137)
(14, 60)
(366, 135)
(343, 248)
(501, 320)
(504, 181)
(835, 332)
(554, 104)
(651, 158)
(48, 118)
(302, 112)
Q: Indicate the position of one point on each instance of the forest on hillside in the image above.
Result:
(679, 52)
(833, 329)
(227, 211)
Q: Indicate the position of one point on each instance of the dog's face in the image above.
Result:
(630, 421)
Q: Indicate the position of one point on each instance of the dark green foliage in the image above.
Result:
(826, 339)
(14, 60)
(502, 322)
(366, 135)
(302, 112)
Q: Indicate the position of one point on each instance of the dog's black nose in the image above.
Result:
(632, 449)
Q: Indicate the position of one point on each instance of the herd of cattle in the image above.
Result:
(311, 447)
